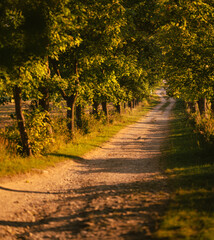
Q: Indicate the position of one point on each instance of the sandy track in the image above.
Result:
(114, 192)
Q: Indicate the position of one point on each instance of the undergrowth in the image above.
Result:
(188, 161)
(62, 147)
(204, 124)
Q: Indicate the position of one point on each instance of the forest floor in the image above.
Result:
(117, 191)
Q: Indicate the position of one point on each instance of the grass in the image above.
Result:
(12, 164)
(102, 133)
(188, 160)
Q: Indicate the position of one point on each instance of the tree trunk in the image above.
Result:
(196, 107)
(44, 102)
(212, 106)
(201, 105)
(95, 108)
(133, 103)
(130, 105)
(118, 108)
(105, 108)
(71, 100)
(138, 102)
(206, 107)
(79, 116)
(21, 121)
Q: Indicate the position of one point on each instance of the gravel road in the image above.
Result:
(114, 192)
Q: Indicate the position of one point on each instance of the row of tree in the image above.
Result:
(187, 39)
(93, 52)
(84, 52)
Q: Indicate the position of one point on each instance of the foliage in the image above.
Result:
(39, 126)
(98, 133)
(187, 41)
(11, 138)
(101, 51)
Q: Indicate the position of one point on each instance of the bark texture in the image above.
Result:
(21, 121)
(71, 100)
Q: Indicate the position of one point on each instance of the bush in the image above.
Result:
(39, 130)
(11, 138)
(204, 125)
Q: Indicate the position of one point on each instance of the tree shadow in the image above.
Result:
(97, 207)
(26, 191)
(69, 156)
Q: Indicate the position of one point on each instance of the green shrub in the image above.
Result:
(11, 138)
(39, 130)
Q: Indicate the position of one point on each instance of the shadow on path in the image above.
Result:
(26, 191)
(100, 208)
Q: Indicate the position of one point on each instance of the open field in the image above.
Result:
(7, 110)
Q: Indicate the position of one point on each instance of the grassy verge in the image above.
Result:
(11, 164)
(188, 160)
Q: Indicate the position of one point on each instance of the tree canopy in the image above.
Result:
(92, 52)
(187, 41)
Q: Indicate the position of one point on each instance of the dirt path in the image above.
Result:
(115, 192)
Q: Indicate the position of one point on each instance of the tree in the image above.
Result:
(30, 33)
(101, 51)
(14, 60)
(98, 30)
(187, 40)
(140, 55)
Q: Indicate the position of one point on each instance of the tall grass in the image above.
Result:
(63, 148)
(188, 160)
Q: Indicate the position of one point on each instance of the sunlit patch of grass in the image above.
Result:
(12, 164)
(187, 225)
(62, 149)
(189, 164)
